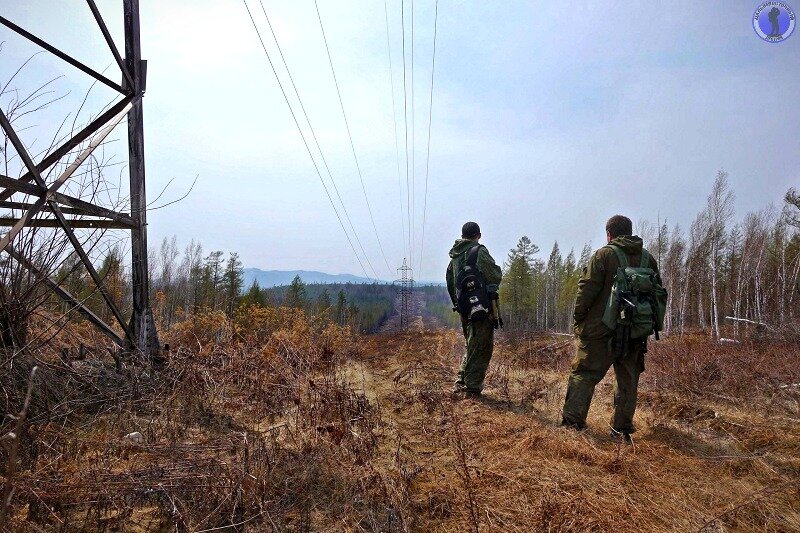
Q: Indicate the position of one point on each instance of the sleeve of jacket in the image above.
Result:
(451, 282)
(491, 271)
(590, 285)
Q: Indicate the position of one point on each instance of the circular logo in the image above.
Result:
(774, 21)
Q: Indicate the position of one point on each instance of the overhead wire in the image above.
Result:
(394, 120)
(316, 140)
(303, 137)
(413, 147)
(428, 151)
(405, 125)
(350, 136)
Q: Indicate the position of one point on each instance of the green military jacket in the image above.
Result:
(492, 273)
(594, 286)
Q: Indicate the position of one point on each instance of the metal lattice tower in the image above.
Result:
(51, 206)
(406, 283)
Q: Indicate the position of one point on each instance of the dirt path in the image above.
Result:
(420, 319)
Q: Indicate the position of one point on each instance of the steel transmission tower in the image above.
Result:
(51, 205)
(406, 283)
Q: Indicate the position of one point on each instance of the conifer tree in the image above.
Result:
(211, 279)
(254, 296)
(296, 296)
(324, 302)
(517, 287)
(792, 207)
(232, 283)
(341, 308)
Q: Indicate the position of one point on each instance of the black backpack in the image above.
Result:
(472, 299)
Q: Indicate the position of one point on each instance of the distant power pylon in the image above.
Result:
(406, 283)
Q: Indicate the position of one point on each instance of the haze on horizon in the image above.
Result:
(546, 120)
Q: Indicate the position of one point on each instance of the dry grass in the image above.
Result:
(277, 423)
(727, 460)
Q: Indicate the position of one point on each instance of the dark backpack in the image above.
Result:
(472, 299)
(638, 301)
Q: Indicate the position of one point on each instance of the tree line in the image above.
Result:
(183, 283)
(715, 267)
(196, 282)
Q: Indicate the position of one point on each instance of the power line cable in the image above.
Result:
(413, 147)
(305, 142)
(316, 140)
(394, 119)
(350, 136)
(428, 154)
(405, 124)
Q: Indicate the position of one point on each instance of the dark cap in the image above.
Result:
(470, 230)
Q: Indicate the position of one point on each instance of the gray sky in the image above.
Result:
(547, 118)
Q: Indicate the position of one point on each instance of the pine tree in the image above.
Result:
(341, 308)
(792, 207)
(586, 254)
(211, 280)
(554, 276)
(254, 296)
(192, 266)
(517, 287)
(232, 283)
(571, 273)
(323, 302)
(296, 295)
(352, 315)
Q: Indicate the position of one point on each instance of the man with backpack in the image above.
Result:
(472, 280)
(620, 302)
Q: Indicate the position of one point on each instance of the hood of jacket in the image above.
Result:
(461, 246)
(631, 244)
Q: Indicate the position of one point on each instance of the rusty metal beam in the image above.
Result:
(22, 206)
(78, 207)
(58, 53)
(142, 322)
(103, 28)
(12, 185)
(90, 129)
(73, 223)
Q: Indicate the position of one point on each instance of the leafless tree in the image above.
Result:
(718, 213)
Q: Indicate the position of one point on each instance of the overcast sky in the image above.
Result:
(548, 117)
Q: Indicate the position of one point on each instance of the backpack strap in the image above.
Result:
(623, 259)
(645, 262)
(472, 255)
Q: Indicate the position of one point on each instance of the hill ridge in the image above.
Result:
(275, 278)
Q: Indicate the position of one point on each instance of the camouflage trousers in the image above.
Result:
(592, 360)
(479, 337)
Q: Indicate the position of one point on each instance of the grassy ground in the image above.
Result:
(503, 464)
(276, 423)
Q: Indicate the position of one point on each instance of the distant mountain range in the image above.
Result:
(275, 278)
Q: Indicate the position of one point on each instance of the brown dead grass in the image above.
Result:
(277, 423)
(726, 461)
